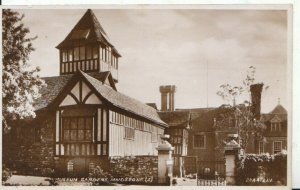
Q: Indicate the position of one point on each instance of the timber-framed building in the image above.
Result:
(82, 119)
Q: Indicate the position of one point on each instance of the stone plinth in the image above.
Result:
(165, 162)
(231, 152)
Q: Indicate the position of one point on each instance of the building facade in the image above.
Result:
(82, 120)
(275, 135)
(208, 129)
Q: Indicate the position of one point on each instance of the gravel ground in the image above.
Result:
(27, 180)
(186, 182)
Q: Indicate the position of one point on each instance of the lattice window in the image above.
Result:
(261, 147)
(129, 133)
(199, 141)
(277, 146)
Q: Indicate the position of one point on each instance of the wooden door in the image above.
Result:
(80, 167)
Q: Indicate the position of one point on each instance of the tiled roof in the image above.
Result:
(56, 84)
(182, 117)
(175, 118)
(205, 120)
(152, 105)
(90, 28)
(123, 101)
(268, 117)
(196, 112)
(279, 109)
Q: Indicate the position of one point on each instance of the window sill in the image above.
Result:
(199, 148)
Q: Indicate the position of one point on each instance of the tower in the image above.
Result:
(167, 97)
(88, 48)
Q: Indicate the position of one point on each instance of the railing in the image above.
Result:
(84, 65)
(211, 182)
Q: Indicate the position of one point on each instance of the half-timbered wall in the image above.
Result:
(130, 136)
(81, 124)
(89, 58)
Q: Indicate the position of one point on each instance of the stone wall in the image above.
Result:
(144, 169)
(29, 149)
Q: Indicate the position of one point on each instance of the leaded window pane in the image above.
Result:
(80, 123)
(73, 124)
(76, 53)
(80, 134)
(88, 135)
(73, 135)
(82, 53)
(95, 52)
(89, 52)
(66, 135)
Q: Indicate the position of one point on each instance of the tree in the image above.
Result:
(245, 121)
(20, 84)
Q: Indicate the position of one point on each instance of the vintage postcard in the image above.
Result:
(153, 95)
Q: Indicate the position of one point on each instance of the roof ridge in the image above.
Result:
(93, 80)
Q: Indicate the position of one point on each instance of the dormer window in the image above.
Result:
(80, 34)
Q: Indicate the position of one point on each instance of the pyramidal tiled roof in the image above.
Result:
(87, 30)
(279, 109)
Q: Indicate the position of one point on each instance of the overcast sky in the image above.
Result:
(197, 50)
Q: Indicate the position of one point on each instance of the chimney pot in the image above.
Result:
(167, 97)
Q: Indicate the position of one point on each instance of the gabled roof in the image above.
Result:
(123, 101)
(88, 30)
(56, 84)
(279, 109)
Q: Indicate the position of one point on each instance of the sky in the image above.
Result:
(195, 49)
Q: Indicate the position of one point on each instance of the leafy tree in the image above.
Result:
(20, 84)
(242, 114)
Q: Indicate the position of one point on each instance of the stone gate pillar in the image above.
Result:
(231, 153)
(165, 161)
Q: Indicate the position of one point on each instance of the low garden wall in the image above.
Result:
(141, 169)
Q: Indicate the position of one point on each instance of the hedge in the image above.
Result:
(262, 169)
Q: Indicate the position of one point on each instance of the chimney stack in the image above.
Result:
(256, 90)
(167, 97)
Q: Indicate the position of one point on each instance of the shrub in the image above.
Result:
(102, 176)
(6, 173)
(251, 167)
